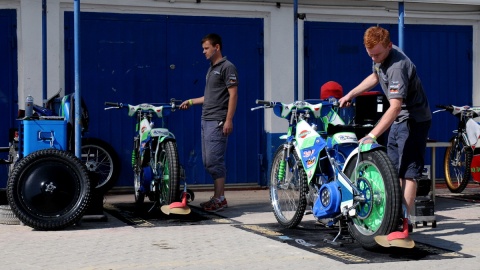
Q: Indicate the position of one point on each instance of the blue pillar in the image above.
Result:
(76, 23)
(44, 51)
(401, 15)
(295, 50)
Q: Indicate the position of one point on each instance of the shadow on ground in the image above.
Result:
(318, 239)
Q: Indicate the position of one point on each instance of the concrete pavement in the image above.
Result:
(218, 244)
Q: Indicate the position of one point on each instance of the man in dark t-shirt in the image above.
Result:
(219, 105)
(408, 116)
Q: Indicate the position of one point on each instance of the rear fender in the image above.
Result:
(363, 149)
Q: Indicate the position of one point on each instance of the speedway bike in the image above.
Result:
(462, 157)
(155, 162)
(322, 165)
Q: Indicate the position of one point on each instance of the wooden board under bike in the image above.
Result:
(401, 243)
(177, 210)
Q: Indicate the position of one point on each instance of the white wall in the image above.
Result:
(278, 41)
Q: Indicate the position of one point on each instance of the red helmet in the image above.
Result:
(331, 89)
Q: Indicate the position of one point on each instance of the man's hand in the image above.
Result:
(186, 104)
(345, 101)
(370, 138)
(227, 127)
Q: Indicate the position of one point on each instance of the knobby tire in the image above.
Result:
(170, 181)
(49, 189)
(378, 180)
(288, 202)
(457, 161)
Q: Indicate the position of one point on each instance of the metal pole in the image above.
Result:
(76, 23)
(401, 15)
(295, 50)
(44, 51)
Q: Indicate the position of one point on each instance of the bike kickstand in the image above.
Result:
(339, 236)
(153, 206)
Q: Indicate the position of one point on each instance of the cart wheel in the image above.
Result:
(190, 195)
(425, 224)
(434, 224)
(49, 189)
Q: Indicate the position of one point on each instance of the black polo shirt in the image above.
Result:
(220, 77)
(398, 77)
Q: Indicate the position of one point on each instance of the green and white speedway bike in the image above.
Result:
(325, 167)
(155, 163)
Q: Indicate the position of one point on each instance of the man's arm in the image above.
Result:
(388, 117)
(367, 84)
(190, 102)
(232, 106)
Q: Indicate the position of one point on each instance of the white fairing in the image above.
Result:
(345, 137)
(161, 132)
(473, 132)
(144, 127)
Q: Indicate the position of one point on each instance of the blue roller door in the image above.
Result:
(136, 58)
(442, 54)
(8, 82)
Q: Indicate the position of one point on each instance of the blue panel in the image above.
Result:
(442, 54)
(242, 44)
(8, 82)
(122, 60)
(152, 58)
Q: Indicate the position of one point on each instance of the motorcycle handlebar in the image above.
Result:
(446, 107)
(265, 102)
(113, 104)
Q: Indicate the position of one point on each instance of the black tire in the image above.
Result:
(49, 189)
(167, 162)
(138, 193)
(288, 199)
(457, 161)
(137, 184)
(378, 181)
(100, 158)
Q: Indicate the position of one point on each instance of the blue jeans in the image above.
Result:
(214, 147)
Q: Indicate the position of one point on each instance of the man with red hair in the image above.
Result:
(409, 116)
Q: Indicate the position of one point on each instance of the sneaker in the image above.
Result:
(224, 202)
(215, 205)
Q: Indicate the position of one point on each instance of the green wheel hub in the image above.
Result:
(371, 212)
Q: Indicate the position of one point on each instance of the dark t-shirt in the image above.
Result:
(220, 77)
(398, 78)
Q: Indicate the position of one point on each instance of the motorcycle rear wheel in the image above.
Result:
(101, 158)
(288, 197)
(378, 181)
(457, 161)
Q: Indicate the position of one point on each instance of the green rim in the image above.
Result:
(370, 213)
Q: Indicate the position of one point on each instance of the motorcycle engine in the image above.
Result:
(328, 202)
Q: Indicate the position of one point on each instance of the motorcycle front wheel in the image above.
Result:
(288, 195)
(167, 162)
(380, 212)
(456, 163)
